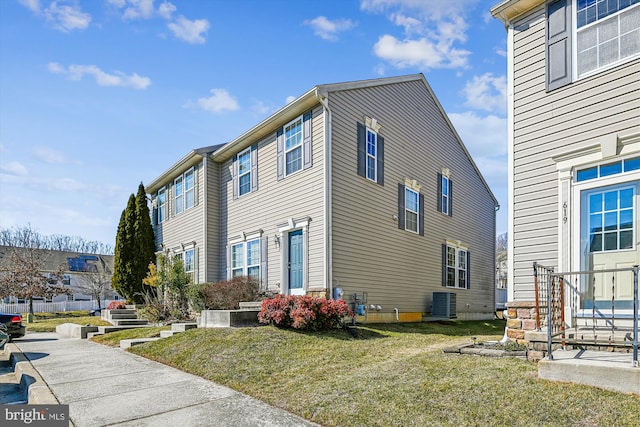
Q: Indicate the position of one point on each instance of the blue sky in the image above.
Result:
(99, 95)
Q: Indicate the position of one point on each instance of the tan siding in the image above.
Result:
(554, 123)
(370, 254)
(212, 267)
(297, 196)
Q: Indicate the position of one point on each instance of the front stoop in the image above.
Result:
(607, 370)
(124, 317)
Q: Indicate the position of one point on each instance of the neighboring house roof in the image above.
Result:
(74, 262)
(508, 10)
(289, 112)
(191, 158)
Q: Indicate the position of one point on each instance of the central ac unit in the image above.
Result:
(444, 305)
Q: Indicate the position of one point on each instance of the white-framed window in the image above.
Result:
(412, 210)
(244, 172)
(178, 190)
(293, 146)
(445, 195)
(162, 205)
(607, 32)
(372, 155)
(188, 259)
(184, 189)
(245, 259)
(457, 268)
(189, 189)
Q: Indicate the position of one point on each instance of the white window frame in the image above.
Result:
(189, 267)
(457, 267)
(162, 207)
(189, 191)
(445, 195)
(300, 145)
(242, 174)
(243, 268)
(416, 212)
(574, 47)
(373, 176)
(180, 200)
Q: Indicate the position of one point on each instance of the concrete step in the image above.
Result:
(135, 341)
(123, 316)
(181, 327)
(130, 322)
(94, 334)
(167, 334)
(250, 305)
(108, 329)
(123, 311)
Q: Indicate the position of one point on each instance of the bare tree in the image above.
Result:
(96, 281)
(27, 237)
(24, 276)
(501, 247)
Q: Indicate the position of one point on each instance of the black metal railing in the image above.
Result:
(601, 306)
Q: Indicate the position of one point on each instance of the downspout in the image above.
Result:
(510, 160)
(205, 222)
(328, 231)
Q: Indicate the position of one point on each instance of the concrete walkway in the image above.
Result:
(106, 386)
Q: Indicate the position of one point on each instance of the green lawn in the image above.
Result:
(47, 322)
(389, 375)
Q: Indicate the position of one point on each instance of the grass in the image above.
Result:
(390, 375)
(47, 322)
(112, 339)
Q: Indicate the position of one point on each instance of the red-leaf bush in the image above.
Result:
(116, 305)
(303, 312)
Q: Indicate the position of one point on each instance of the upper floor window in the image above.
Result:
(372, 155)
(293, 145)
(607, 31)
(162, 205)
(445, 193)
(184, 191)
(244, 172)
(411, 210)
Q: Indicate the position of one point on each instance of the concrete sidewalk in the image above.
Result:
(107, 386)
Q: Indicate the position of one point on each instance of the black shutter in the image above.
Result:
(401, 206)
(263, 263)
(234, 174)
(444, 265)
(421, 214)
(380, 160)
(154, 216)
(450, 198)
(558, 44)
(254, 168)
(280, 154)
(468, 270)
(307, 147)
(439, 203)
(362, 150)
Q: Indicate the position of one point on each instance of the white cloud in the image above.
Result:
(487, 93)
(189, 31)
(138, 9)
(219, 101)
(484, 136)
(33, 5)
(419, 52)
(329, 29)
(48, 154)
(67, 18)
(14, 168)
(289, 99)
(117, 79)
(166, 9)
(433, 32)
(259, 108)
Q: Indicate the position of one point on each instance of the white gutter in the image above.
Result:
(328, 229)
(510, 160)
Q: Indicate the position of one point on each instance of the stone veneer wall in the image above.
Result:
(521, 328)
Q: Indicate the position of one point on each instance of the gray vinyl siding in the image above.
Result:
(550, 124)
(187, 226)
(296, 196)
(396, 268)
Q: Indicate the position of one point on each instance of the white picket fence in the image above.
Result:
(51, 307)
